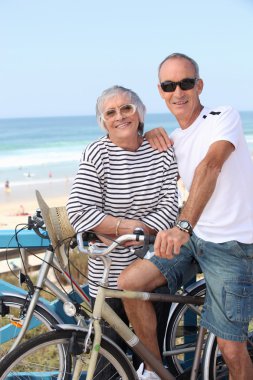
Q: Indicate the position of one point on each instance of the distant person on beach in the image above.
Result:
(21, 211)
(215, 226)
(7, 186)
(122, 183)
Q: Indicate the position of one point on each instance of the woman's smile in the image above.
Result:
(123, 125)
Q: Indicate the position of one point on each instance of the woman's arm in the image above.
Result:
(85, 204)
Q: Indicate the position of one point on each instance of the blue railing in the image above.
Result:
(26, 238)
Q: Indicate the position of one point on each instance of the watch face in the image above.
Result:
(184, 225)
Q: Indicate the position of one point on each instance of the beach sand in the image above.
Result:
(18, 202)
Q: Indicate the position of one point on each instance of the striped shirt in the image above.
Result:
(138, 185)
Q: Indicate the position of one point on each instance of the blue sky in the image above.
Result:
(58, 55)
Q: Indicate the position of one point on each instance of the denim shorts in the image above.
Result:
(228, 272)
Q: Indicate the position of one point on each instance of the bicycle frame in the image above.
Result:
(104, 311)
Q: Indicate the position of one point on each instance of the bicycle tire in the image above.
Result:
(11, 306)
(214, 367)
(181, 333)
(25, 358)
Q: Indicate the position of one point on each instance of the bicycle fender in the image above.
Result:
(42, 305)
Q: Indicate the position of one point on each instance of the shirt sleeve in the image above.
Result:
(164, 215)
(84, 206)
(228, 127)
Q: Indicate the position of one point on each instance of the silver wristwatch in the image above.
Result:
(185, 226)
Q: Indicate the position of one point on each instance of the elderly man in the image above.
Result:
(215, 227)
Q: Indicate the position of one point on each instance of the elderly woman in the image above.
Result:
(122, 183)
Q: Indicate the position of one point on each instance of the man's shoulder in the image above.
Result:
(219, 111)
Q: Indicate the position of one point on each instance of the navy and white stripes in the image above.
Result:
(135, 185)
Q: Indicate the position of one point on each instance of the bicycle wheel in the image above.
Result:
(10, 309)
(40, 356)
(181, 333)
(214, 367)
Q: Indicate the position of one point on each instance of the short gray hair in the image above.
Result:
(180, 55)
(133, 98)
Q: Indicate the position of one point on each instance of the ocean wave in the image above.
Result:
(37, 158)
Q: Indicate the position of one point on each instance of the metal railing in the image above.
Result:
(26, 240)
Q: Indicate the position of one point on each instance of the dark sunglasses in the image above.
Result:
(184, 84)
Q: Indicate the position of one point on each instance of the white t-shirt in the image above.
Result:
(228, 215)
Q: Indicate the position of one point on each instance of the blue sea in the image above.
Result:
(34, 149)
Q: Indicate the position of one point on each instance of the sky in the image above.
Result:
(57, 56)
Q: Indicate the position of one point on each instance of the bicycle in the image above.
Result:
(18, 307)
(82, 348)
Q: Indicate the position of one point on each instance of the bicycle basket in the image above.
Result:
(58, 227)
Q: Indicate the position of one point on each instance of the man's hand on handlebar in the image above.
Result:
(168, 242)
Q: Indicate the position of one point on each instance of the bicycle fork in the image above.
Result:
(42, 275)
(77, 352)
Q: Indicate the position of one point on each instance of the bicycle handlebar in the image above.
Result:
(136, 236)
(36, 223)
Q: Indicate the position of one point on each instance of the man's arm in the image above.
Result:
(204, 181)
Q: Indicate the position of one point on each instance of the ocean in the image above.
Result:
(35, 149)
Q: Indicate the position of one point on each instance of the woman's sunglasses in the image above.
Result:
(184, 84)
(125, 110)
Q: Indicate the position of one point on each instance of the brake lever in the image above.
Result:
(36, 223)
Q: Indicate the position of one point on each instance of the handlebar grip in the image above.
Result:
(149, 238)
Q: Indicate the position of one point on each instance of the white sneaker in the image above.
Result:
(144, 374)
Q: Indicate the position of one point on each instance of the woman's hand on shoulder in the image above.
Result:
(158, 139)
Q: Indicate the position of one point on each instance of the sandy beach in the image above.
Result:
(20, 201)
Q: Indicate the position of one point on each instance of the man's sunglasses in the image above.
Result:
(184, 84)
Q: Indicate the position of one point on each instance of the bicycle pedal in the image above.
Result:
(16, 322)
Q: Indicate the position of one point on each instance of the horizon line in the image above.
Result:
(88, 115)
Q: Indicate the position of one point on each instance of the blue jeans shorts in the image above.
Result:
(228, 272)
